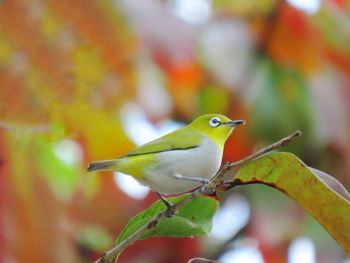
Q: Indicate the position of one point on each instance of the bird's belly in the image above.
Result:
(201, 162)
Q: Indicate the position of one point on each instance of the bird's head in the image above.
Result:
(216, 126)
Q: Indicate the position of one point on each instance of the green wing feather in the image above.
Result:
(178, 140)
(135, 161)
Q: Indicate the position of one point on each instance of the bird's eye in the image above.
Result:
(214, 122)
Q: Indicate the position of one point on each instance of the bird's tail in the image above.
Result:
(101, 165)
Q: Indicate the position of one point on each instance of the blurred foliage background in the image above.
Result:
(89, 80)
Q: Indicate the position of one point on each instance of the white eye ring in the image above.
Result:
(214, 122)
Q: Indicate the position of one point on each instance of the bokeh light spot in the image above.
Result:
(231, 217)
(139, 129)
(308, 6)
(68, 151)
(302, 249)
(192, 11)
(130, 186)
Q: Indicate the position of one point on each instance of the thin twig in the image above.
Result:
(229, 166)
(112, 255)
(281, 143)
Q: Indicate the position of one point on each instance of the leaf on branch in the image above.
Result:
(192, 219)
(287, 173)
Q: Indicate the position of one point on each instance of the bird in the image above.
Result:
(179, 161)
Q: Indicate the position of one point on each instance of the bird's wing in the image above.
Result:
(177, 140)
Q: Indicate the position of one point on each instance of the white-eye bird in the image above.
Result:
(179, 161)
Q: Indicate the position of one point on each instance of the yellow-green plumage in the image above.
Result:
(192, 151)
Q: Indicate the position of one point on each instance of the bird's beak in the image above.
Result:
(234, 123)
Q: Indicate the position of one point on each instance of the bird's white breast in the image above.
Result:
(200, 162)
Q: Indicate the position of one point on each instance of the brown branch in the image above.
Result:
(217, 181)
(281, 143)
(112, 255)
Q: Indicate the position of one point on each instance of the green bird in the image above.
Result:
(179, 161)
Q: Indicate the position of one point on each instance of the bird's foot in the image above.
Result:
(203, 181)
(170, 211)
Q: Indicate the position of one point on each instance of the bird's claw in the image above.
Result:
(203, 181)
(203, 188)
(170, 211)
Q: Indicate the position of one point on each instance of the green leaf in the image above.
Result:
(287, 173)
(62, 178)
(282, 99)
(95, 237)
(193, 219)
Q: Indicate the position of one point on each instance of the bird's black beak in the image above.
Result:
(234, 123)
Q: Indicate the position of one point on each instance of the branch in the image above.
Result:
(281, 143)
(112, 255)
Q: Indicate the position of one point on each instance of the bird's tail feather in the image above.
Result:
(101, 165)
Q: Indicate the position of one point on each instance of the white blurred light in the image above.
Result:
(231, 217)
(308, 6)
(168, 125)
(139, 129)
(346, 260)
(302, 249)
(134, 122)
(243, 255)
(192, 11)
(151, 86)
(231, 59)
(130, 186)
(68, 151)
